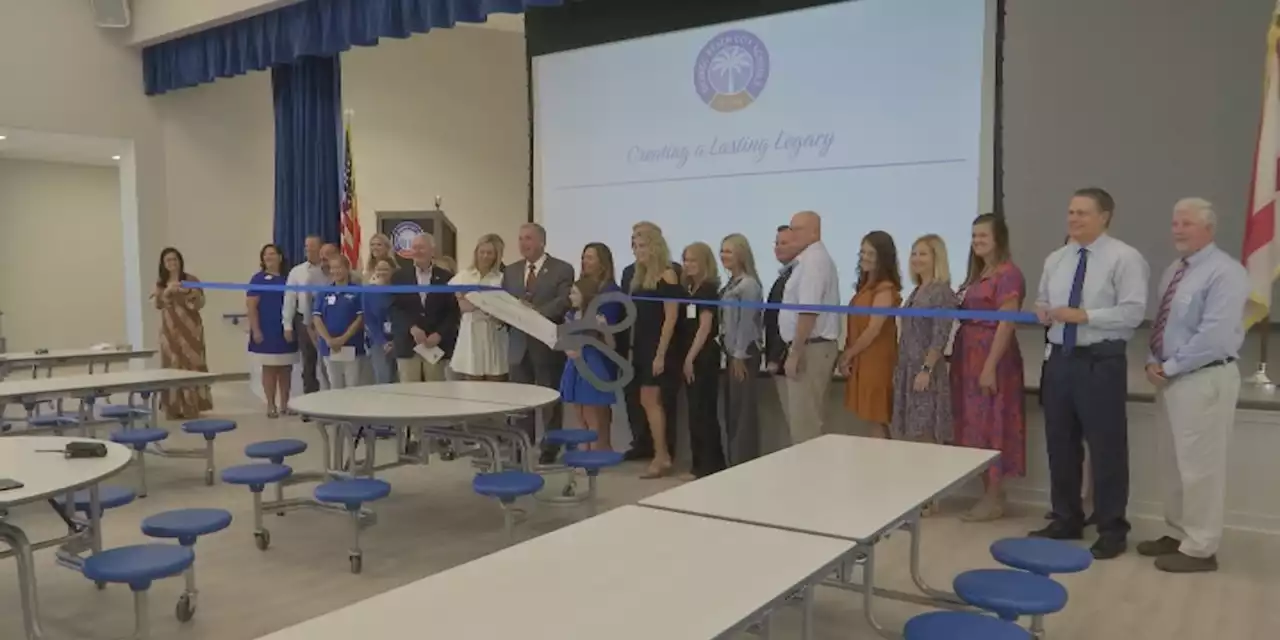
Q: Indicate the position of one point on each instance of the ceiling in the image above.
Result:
(24, 144)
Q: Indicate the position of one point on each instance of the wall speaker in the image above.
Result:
(111, 14)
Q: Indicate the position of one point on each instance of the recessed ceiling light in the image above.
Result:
(115, 157)
(2, 137)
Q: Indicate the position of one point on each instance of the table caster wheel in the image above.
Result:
(186, 609)
(208, 478)
(262, 539)
(357, 564)
(100, 585)
(569, 491)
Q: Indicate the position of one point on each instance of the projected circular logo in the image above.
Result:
(731, 71)
(402, 238)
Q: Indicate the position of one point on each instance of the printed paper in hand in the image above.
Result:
(345, 354)
(430, 354)
(508, 309)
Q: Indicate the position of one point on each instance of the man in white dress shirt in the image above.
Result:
(297, 310)
(1093, 294)
(1195, 340)
(811, 337)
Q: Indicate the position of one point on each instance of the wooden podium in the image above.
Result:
(402, 226)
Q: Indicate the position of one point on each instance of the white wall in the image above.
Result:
(157, 20)
(60, 233)
(443, 114)
(62, 74)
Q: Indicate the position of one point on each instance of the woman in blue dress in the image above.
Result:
(377, 322)
(271, 350)
(591, 404)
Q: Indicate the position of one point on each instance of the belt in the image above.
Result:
(814, 341)
(1215, 363)
(1106, 348)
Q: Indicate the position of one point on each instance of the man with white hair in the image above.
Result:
(811, 337)
(1194, 343)
(427, 320)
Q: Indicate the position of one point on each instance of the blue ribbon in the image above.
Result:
(586, 331)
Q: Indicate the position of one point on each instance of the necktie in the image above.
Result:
(1162, 316)
(1077, 292)
(530, 278)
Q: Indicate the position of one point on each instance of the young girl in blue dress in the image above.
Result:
(592, 405)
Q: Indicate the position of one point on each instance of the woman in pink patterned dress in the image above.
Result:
(986, 366)
(181, 335)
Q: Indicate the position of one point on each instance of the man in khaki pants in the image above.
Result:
(1196, 336)
(811, 337)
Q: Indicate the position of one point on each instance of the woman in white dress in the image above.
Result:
(481, 350)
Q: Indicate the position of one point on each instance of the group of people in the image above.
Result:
(925, 377)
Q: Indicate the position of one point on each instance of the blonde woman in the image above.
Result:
(481, 351)
(741, 331)
(921, 385)
(379, 249)
(653, 355)
(698, 340)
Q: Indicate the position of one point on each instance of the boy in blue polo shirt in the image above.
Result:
(339, 321)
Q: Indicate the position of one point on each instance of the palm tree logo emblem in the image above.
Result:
(731, 70)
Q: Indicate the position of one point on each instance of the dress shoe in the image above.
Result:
(1161, 547)
(1182, 563)
(1108, 547)
(637, 454)
(1058, 530)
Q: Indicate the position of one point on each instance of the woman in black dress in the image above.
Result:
(653, 355)
(700, 349)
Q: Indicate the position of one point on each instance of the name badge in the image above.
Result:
(691, 311)
(386, 327)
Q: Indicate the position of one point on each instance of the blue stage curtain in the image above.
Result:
(308, 105)
(309, 28)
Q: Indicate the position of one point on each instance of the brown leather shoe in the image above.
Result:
(1183, 563)
(1163, 546)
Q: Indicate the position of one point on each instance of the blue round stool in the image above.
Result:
(257, 476)
(209, 428)
(275, 450)
(592, 462)
(506, 486)
(54, 421)
(186, 525)
(138, 566)
(138, 439)
(123, 412)
(1010, 594)
(352, 495)
(1041, 556)
(569, 438)
(961, 625)
(109, 497)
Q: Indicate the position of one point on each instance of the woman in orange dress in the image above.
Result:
(181, 335)
(871, 350)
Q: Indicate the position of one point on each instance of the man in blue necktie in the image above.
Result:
(1093, 294)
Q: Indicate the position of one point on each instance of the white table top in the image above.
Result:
(842, 486)
(422, 401)
(29, 358)
(101, 384)
(49, 474)
(587, 581)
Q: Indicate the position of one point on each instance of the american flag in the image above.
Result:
(350, 221)
(1261, 249)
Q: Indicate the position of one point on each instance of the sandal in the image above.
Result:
(656, 471)
(272, 413)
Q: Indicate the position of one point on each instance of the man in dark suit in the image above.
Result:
(426, 319)
(641, 439)
(543, 283)
(775, 348)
